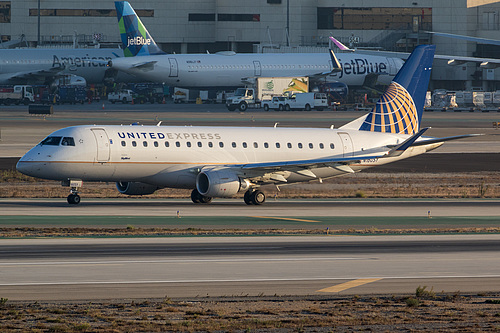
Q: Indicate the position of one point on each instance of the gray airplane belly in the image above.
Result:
(176, 176)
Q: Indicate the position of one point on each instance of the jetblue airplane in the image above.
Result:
(225, 161)
(44, 66)
(146, 60)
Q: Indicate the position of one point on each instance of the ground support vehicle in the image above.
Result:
(306, 101)
(17, 95)
(124, 96)
(265, 88)
(276, 103)
(71, 94)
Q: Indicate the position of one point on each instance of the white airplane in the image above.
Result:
(144, 59)
(224, 161)
(486, 63)
(44, 66)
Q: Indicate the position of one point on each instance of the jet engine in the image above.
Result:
(220, 182)
(135, 188)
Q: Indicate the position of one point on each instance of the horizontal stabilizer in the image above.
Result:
(447, 138)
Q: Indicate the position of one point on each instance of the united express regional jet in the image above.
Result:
(144, 59)
(225, 161)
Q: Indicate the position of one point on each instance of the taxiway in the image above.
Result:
(77, 269)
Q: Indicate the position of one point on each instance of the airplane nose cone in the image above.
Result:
(24, 167)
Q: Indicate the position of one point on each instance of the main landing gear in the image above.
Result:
(254, 197)
(197, 198)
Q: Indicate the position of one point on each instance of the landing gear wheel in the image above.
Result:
(247, 196)
(73, 199)
(197, 198)
(205, 200)
(258, 197)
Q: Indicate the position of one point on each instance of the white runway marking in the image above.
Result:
(169, 261)
(246, 280)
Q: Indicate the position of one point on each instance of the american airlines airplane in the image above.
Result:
(43, 66)
(146, 60)
(225, 161)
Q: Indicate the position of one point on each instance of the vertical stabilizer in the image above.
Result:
(399, 109)
(136, 39)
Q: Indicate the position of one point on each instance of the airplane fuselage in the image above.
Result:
(222, 70)
(167, 156)
(29, 66)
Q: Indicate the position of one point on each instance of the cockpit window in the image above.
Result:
(68, 141)
(51, 141)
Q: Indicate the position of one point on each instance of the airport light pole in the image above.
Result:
(38, 39)
(287, 22)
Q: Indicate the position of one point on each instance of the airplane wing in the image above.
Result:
(272, 172)
(467, 38)
(39, 75)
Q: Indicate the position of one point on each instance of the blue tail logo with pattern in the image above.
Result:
(136, 39)
(399, 110)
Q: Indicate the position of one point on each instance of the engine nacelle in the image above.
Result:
(220, 182)
(135, 188)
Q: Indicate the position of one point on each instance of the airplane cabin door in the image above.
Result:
(257, 68)
(102, 142)
(347, 146)
(174, 69)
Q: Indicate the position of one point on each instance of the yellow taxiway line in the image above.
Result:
(347, 285)
(284, 218)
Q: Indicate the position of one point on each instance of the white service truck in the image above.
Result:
(264, 89)
(17, 95)
(124, 96)
(276, 103)
(306, 101)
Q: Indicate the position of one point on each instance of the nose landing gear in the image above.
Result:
(73, 197)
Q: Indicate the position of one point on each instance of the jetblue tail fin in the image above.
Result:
(400, 108)
(136, 39)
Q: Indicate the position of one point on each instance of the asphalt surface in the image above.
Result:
(236, 208)
(76, 269)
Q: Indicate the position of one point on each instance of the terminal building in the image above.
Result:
(199, 26)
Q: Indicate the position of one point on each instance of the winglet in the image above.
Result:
(136, 39)
(400, 149)
(340, 45)
(336, 67)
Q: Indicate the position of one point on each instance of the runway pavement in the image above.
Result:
(236, 208)
(90, 269)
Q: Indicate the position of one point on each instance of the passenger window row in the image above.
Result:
(233, 144)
